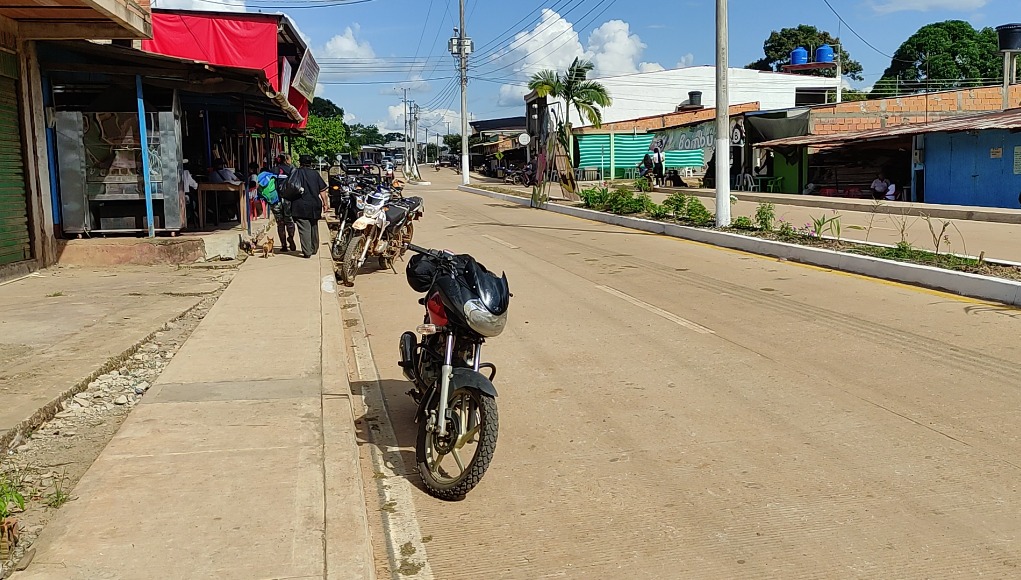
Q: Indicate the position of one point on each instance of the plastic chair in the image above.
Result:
(748, 183)
(774, 185)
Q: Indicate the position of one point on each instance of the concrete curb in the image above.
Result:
(348, 539)
(962, 283)
(952, 212)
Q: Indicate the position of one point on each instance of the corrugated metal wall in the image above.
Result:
(15, 241)
(629, 149)
(967, 169)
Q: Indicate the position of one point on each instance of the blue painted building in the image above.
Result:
(981, 167)
(972, 160)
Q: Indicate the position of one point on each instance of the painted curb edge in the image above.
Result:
(961, 283)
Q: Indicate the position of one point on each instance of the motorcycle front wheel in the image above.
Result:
(353, 253)
(452, 466)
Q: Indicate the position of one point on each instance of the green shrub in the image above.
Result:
(765, 216)
(743, 223)
(697, 213)
(594, 198)
(677, 203)
(787, 231)
(658, 212)
(643, 184)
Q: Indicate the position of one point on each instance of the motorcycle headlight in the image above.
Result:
(372, 210)
(483, 321)
(360, 204)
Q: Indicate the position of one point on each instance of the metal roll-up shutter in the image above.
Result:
(15, 242)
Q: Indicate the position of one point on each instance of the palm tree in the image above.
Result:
(575, 89)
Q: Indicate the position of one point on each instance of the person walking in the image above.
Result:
(308, 209)
(282, 209)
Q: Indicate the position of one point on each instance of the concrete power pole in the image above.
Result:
(405, 101)
(722, 119)
(461, 47)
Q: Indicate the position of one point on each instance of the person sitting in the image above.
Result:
(221, 174)
(891, 192)
(880, 186)
(646, 165)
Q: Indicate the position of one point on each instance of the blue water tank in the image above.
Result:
(824, 53)
(799, 56)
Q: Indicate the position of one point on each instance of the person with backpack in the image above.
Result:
(282, 209)
(307, 207)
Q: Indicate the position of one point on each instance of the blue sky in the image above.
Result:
(367, 50)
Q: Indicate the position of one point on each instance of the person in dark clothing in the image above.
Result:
(308, 209)
(646, 165)
(659, 162)
(282, 209)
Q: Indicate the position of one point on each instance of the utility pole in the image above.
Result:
(405, 101)
(460, 47)
(840, 79)
(722, 119)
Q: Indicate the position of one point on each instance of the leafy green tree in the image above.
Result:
(453, 142)
(778, 47)
(390, 137)
(323, 137)
(325, 108)
(575, 89)
(940, 56)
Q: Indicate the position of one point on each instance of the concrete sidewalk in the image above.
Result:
(63, 325)
(241, 462)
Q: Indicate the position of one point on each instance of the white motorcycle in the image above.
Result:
(383, 230)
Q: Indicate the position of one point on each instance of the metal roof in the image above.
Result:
(1009, 119)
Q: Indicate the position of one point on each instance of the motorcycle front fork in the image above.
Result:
(446, 374)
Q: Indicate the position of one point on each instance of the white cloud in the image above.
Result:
(435, 120)
(614, 50)
(218, 5)
(686, 61)
(347, 45)
(319, 89)
(512, 96)
(553, 43)
(888, 6)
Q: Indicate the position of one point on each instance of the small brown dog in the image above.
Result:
(267, 247)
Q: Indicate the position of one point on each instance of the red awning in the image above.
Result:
(241, 40)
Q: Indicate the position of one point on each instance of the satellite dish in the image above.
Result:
(524, 139)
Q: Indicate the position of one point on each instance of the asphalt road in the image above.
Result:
(675, 410)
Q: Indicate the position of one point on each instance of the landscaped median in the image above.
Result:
(814, 244)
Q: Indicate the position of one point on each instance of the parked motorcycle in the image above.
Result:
(382, 231)
(457, 416)
(345, 197)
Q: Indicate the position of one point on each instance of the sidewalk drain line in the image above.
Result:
(399, 517)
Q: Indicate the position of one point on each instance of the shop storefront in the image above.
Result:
(117, 175)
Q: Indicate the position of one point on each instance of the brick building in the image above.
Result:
(893, 111)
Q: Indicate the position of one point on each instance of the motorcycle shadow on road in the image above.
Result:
(389, 426)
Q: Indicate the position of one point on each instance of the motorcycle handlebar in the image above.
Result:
(427, 251)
